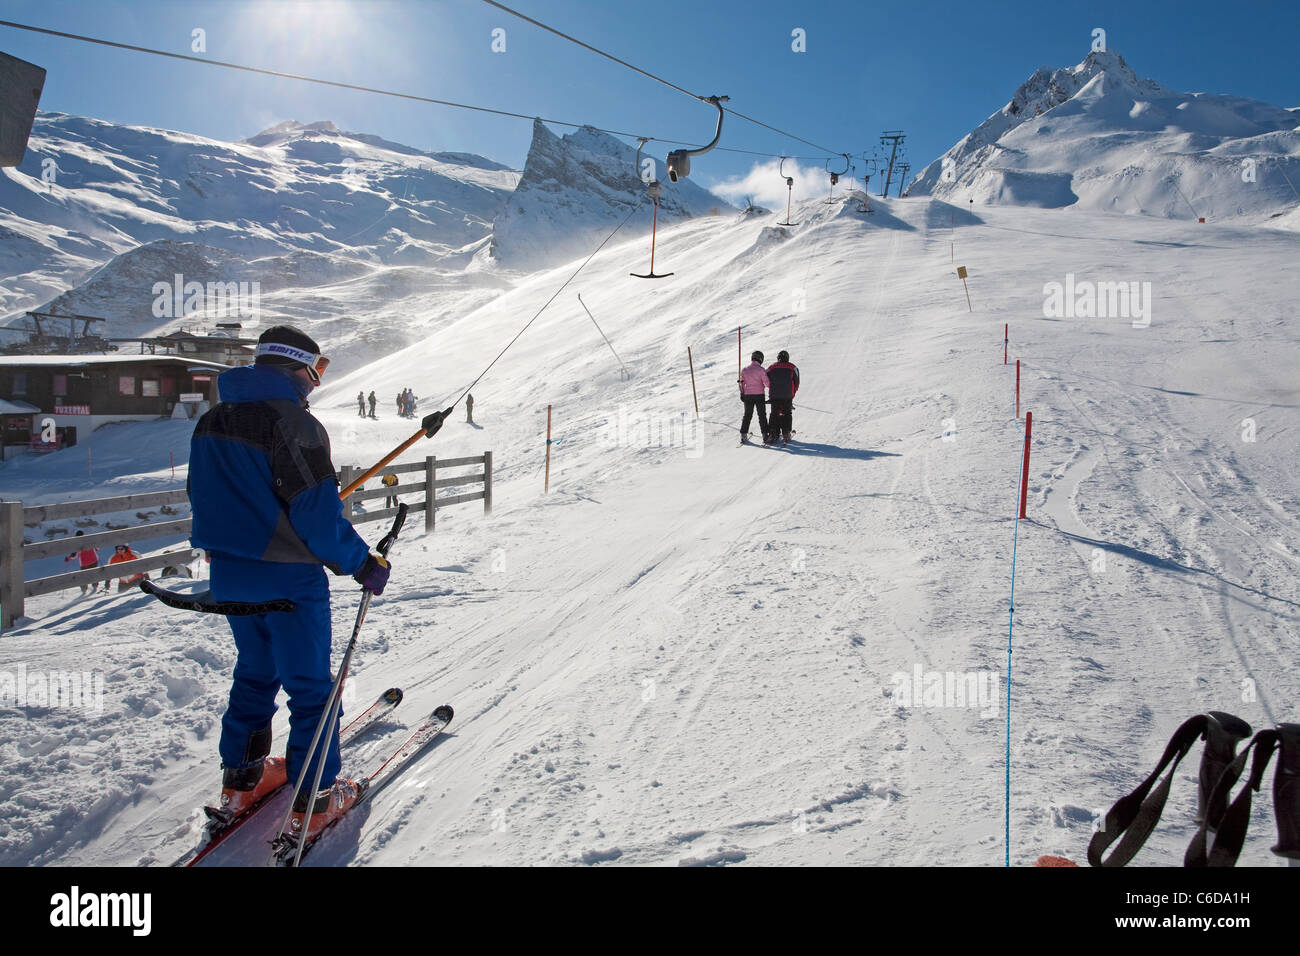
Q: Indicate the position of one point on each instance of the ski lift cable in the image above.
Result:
(647, 73)
(431, 423)
(370, 89)
(546, 305)
(297, 76)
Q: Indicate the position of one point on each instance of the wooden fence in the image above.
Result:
(428, 482)
(13, 553)
(13, 518)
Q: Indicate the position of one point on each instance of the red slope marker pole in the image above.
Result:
(1006, 328)
(1024, 474)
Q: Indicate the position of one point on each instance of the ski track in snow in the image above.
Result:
(688, 660)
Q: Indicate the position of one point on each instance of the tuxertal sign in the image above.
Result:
(71, 409)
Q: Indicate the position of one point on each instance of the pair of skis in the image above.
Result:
(284, 847)
(220, 826)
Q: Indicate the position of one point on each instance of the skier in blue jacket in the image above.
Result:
(266, 507)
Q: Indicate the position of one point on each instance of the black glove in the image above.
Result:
(373, 575)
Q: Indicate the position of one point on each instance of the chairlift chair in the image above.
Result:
(869, 165)
(655, 189)
(679, 167)
(835, 176)
(789, 189)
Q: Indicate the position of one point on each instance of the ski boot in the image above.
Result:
(328, 806)
(247, 785)
(243, 788)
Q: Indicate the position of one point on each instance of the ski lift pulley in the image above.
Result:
(679, 160)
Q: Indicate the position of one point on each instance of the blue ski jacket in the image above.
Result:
(263, 492)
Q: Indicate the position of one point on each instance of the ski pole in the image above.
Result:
(429, 426)
(328, 719)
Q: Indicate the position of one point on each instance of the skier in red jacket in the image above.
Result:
(86, 558)
(783, 385)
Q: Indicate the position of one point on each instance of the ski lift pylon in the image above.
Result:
(789, 189)
(655, 189)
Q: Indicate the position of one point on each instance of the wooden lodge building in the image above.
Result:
(82, 392)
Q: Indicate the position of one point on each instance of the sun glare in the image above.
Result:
(303, 28)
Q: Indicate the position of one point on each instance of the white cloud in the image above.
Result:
(765, 185)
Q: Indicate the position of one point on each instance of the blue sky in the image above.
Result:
(932, 69)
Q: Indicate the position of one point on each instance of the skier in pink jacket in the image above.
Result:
(753, 382)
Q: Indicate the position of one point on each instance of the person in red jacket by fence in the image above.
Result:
(783, 385)
(87, 558)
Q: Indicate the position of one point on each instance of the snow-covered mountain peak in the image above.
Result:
(575, 188)
(290, 130)
(1100, 135)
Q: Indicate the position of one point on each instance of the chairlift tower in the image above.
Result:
(895, 137)
(902, 177)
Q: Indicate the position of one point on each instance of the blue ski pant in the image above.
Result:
(289, 649)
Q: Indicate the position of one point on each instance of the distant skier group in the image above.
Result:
(406, 403)
(780, 381)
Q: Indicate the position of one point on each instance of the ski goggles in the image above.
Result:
(316, 364)
(317, 369)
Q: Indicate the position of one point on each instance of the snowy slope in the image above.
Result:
(575, 189)
(1103, 138)
(686, 653)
